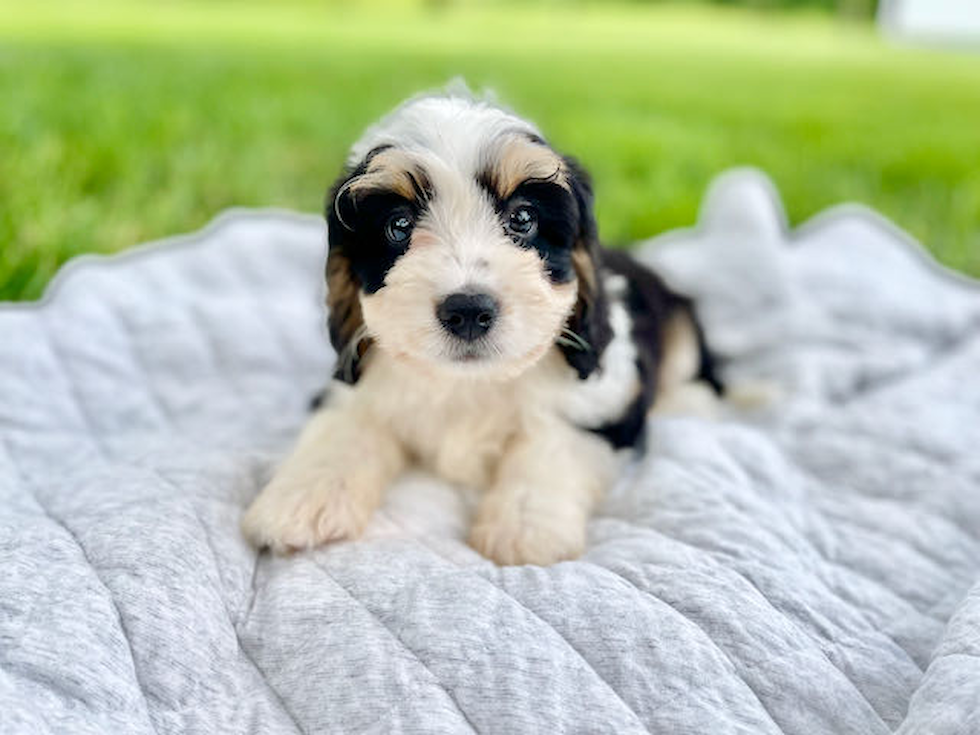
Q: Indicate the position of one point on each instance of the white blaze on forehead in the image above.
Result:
(462, 220)
(454, 129)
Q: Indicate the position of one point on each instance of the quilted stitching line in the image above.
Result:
(697, 625)
(932, 458)
(954, 654)
(272, 325)
(946, 350)
(234, 627)
(919, 552)
(498, 588)
(779, 612)
(384, 626)
(140, 363)
(864, 614)
(112, 600)
(806, 537)
(820, 556)
(823, 559)
(722, 555)
(866, 579)
(796, 626)
(81, 407)
(568, 643)
(275, 692)
(504, 592)
(218, 362)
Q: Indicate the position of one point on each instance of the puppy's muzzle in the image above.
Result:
(467, 316)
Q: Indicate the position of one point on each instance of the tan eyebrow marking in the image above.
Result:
(520, 159)
(395, 171)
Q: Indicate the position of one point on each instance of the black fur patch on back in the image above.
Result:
(650, 304)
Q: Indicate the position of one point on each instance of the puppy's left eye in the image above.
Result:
(522, 222)
(399, 228)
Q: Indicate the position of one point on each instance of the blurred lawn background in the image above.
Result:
(127, 121)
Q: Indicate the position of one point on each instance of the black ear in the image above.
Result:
(589, 320)
(344, 319)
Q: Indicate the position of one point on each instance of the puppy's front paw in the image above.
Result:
(302, 511)
(527, 539)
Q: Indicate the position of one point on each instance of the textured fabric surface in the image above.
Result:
(811, 569)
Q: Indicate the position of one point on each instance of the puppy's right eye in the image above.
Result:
(399, 228)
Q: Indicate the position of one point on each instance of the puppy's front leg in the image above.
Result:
(329, 486)
(546, 487)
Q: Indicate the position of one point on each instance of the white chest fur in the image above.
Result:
(523, 441)
(459, 427)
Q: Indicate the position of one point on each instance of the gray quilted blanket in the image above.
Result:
(813, 568)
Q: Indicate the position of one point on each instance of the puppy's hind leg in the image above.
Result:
(329, 486)
(686, 384)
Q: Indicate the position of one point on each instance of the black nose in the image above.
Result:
(468, 316)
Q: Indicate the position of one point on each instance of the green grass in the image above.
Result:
(126, 121)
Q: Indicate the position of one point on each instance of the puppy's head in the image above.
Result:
(461, 242)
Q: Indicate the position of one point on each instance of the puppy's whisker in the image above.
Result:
(494, 349)
(336, 204)
(570, 338)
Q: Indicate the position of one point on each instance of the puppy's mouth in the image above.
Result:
(470, 352)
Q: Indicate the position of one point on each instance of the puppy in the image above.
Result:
(482, 333)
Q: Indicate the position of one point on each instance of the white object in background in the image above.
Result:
(951, 21)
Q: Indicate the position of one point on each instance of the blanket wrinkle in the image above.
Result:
(268, 685)
(825, 642)
(145, 713)
(714, 644)
(482, 577)
(274, 328)
(821, 559)
(253, 591)
(384, 626)
(235, 626)
(948, 349)
(218, 363)
(140, 362)
(820, 640)
(81, 408)
(578, 654)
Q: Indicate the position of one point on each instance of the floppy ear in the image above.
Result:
(589, 320)
(344, 319)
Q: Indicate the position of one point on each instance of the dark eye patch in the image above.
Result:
(367, 243)
(557, 224)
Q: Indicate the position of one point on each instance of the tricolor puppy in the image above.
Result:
(482, 333)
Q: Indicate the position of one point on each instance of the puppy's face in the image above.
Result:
(456, 241)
